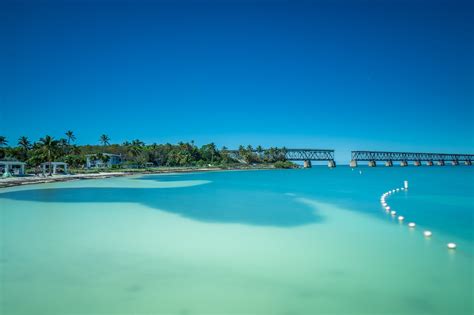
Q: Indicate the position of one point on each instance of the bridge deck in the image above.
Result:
(409, 156)
(300, 154)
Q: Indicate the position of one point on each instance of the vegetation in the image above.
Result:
(137, 154)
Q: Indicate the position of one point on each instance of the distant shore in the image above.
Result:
(32, 179)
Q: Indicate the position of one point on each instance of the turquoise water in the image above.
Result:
(242, 242)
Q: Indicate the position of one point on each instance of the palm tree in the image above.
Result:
(70, 137)
(135, 150)
(3, 141)
(48, 148)
(260, 152)
(137, 142)
(24, 143)
(104, 139)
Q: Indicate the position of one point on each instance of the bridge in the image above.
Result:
(304, 155)
(404, 157)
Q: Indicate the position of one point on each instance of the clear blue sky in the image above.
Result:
(396, 75)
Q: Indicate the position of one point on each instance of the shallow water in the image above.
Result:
(243, 242)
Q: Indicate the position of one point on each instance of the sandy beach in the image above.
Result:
(32, 179)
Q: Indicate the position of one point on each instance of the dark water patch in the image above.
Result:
(210, 204)
(420, 305)
(184, 312)
(134, 288)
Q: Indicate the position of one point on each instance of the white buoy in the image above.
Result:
(411, 224)
(405, 184)
(387, 208)
(393, 190)
(384, 204)
(393, 212)
(427, 233)
(401, 218)
(452, 245)
(398, 189)
(402, 188)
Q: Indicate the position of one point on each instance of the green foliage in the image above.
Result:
(284, 164)
(137, 154)
(104, 139)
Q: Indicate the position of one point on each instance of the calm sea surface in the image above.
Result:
(242, 242)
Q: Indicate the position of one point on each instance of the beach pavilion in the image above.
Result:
(17, 167)
(54, 165)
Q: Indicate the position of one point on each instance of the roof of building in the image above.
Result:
(54, 163)
(12, 163)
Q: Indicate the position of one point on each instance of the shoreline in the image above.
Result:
(31, 180)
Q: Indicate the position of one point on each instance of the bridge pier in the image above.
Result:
(454, 163)
(417, 163)
(353, 163)
(389, 163)
(403, 163)
(372, 163)
(468, 162)
(429, 163)
(307, 164)
(440, 163)
(331, 163)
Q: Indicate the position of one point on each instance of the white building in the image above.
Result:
(92, 160)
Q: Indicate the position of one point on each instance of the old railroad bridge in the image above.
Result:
(304, 155)
(372, 157)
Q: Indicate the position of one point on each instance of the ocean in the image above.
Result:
(303, 241)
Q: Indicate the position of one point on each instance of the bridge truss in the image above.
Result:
(309, 155)
(409, 156)
(294, 154)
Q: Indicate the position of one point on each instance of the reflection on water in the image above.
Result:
(191, 201)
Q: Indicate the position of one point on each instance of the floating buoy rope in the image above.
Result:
(401, 218)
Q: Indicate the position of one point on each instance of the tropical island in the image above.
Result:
(41, 157)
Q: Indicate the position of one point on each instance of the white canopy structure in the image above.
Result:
(45, 166)
(15, 167)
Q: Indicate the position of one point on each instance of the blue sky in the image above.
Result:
(380, 75)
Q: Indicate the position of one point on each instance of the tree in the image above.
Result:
(135, 150)
(48, 149)
(260, 152)
(104, 140)
(70, 137)
(137, 142)
(3, 141)
(24, 143)
(25, 146)
(209, 152)
(75, 150)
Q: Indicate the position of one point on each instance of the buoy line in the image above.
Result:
(393, 213)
